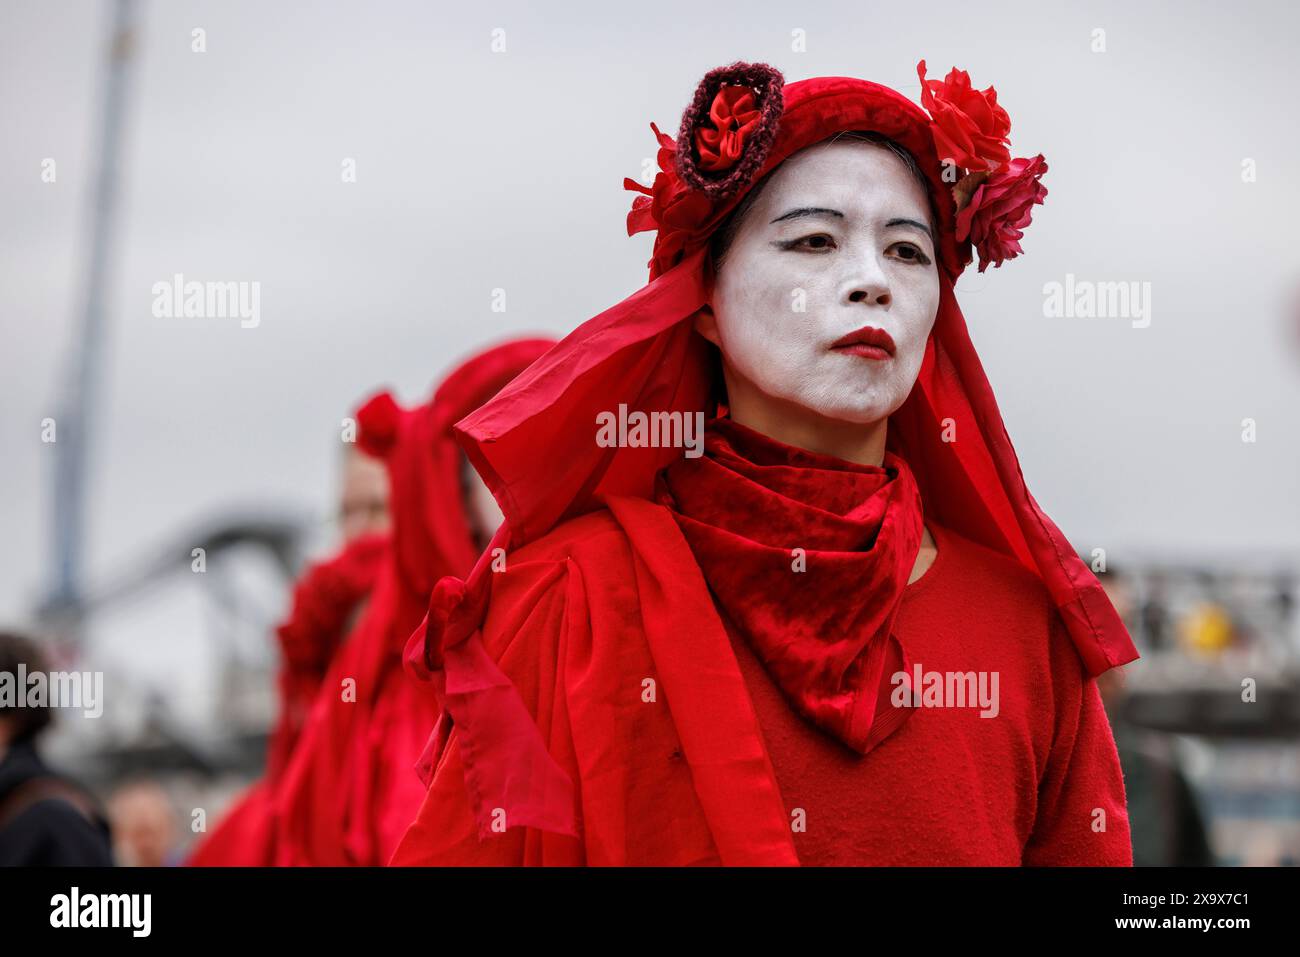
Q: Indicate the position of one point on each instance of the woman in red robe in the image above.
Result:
(340, 785)
(350, 786)
(771, 588)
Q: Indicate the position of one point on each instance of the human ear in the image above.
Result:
(706, 324)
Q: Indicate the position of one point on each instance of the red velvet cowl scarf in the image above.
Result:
(758, 513)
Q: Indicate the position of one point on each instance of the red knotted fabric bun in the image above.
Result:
(734, 117)
(729, 128)
(378, 421)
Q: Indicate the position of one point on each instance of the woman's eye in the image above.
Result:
(814, 243)
(910, 252)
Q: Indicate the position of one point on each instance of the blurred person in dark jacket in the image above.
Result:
(45, 818)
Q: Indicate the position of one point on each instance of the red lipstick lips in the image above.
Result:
(868, 342)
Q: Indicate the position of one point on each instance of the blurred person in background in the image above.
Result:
(1165, 818)
(1154, 613)
(46, 819)
(351, 788)
(144, 825)
(1284, 611)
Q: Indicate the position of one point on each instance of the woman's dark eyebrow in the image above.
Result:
(911, 222)
(803, 211)
(807, 211)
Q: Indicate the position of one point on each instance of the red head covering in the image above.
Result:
(431, 531)
(431, 536)
(534, 443)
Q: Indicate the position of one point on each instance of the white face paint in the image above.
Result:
(850, 261)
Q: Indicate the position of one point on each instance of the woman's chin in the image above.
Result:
(851, 414)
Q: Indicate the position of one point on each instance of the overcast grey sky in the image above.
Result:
(478, 170)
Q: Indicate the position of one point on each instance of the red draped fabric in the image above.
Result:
(351, 787)
(344, 786)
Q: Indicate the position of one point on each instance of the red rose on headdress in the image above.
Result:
(969, 127)
(735, 114)
(1000, 208)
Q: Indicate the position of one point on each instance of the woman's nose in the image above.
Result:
(868, 284)
(871, 293)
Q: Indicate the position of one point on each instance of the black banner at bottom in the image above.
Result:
(616, 907)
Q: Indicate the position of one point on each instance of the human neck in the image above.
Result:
(798, 427)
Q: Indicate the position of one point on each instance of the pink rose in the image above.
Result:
(1000, 208)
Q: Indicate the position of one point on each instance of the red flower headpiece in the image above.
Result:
(994, 194)
(995, 216)
(970, 129)
(726, 139)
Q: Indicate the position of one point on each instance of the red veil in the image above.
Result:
(534, 446)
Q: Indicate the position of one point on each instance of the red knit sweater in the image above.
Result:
(1037, 784)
